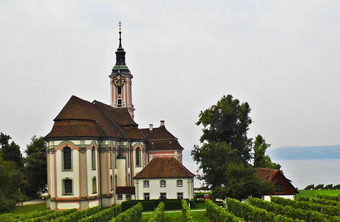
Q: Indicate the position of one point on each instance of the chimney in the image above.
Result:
(162, 122)
(150, 127)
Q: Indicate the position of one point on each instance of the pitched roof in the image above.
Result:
(161, 139)
(266, 174)
(80, 118)
(168, 167)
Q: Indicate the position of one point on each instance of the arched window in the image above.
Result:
(138, 162)
(94, 185)
(119, 102)
(163, 183)
(93, 158)
(67, 186)
(119, 90)
(67, 158)
(180, 183)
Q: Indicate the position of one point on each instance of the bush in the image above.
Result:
(75, 216)
(186, 213)
(133, 214)
(218, 214)
(150, 205)
(158, 214)
(318, 187)
(328, 187)
(104, 215)
(309, 187)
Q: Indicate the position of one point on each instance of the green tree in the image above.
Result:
(225, 155)
(260, 157)
(228, 121)
(36, 166)
(12, 181)
(10, 151)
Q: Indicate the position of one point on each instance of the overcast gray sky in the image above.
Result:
(282, 57)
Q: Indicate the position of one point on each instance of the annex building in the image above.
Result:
(97, 155)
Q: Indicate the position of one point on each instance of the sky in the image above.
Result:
(282, 57)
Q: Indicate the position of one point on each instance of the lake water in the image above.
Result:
(300, 172)
(315, 171)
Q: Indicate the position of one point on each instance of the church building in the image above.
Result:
(97, 155)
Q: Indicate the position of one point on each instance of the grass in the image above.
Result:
(314, 193)
(29, 208)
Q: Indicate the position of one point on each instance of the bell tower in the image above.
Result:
(120, 80)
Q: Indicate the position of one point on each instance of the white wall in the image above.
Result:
(171, 188)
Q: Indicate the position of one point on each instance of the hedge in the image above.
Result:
(50, 216)
(324, 209)
(289, 211)
(12, 217)
(150, 205)
(133, 214)
(219, 214)
(158, 214)
(75, 216)
(320, 201)
(104, 215)
(328, 197)
(186, 213)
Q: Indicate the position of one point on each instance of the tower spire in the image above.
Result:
(120, 66)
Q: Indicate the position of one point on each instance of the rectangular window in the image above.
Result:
(163, 183)
(119, 197)
(146, 184)
(93, 158)
(180, 183)
(94, 185)
(110, 159)
(162, 196)
(146, 196)
(68, 186)
(128, 196)
(180, 196)
(279, 188)
(67, 158)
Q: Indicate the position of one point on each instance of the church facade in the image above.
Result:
(95, 150)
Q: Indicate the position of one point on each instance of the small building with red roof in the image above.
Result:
(282, 186)
(164, 178)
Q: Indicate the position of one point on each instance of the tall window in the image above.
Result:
(94, 185)
(67, 158)
(163, 183)
(111, 182)
(119, 90)
(146, 196)
(180, 183)
(68, 186)
(110, 159)
(119, 102)
(138, 157)
(93, 158)
(146, 184)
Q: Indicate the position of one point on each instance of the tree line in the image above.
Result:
(322, 187)
(21, 177)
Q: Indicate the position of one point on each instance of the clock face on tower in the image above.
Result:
(118, 80)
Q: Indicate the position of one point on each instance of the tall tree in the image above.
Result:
(10, 151)
(36, 166)
(228, 121)
(225, 155)
(260, 157)
(11, 185)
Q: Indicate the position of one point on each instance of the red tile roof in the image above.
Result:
(266, 174)
(164, 168)
(80, 118)
(161, 139)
